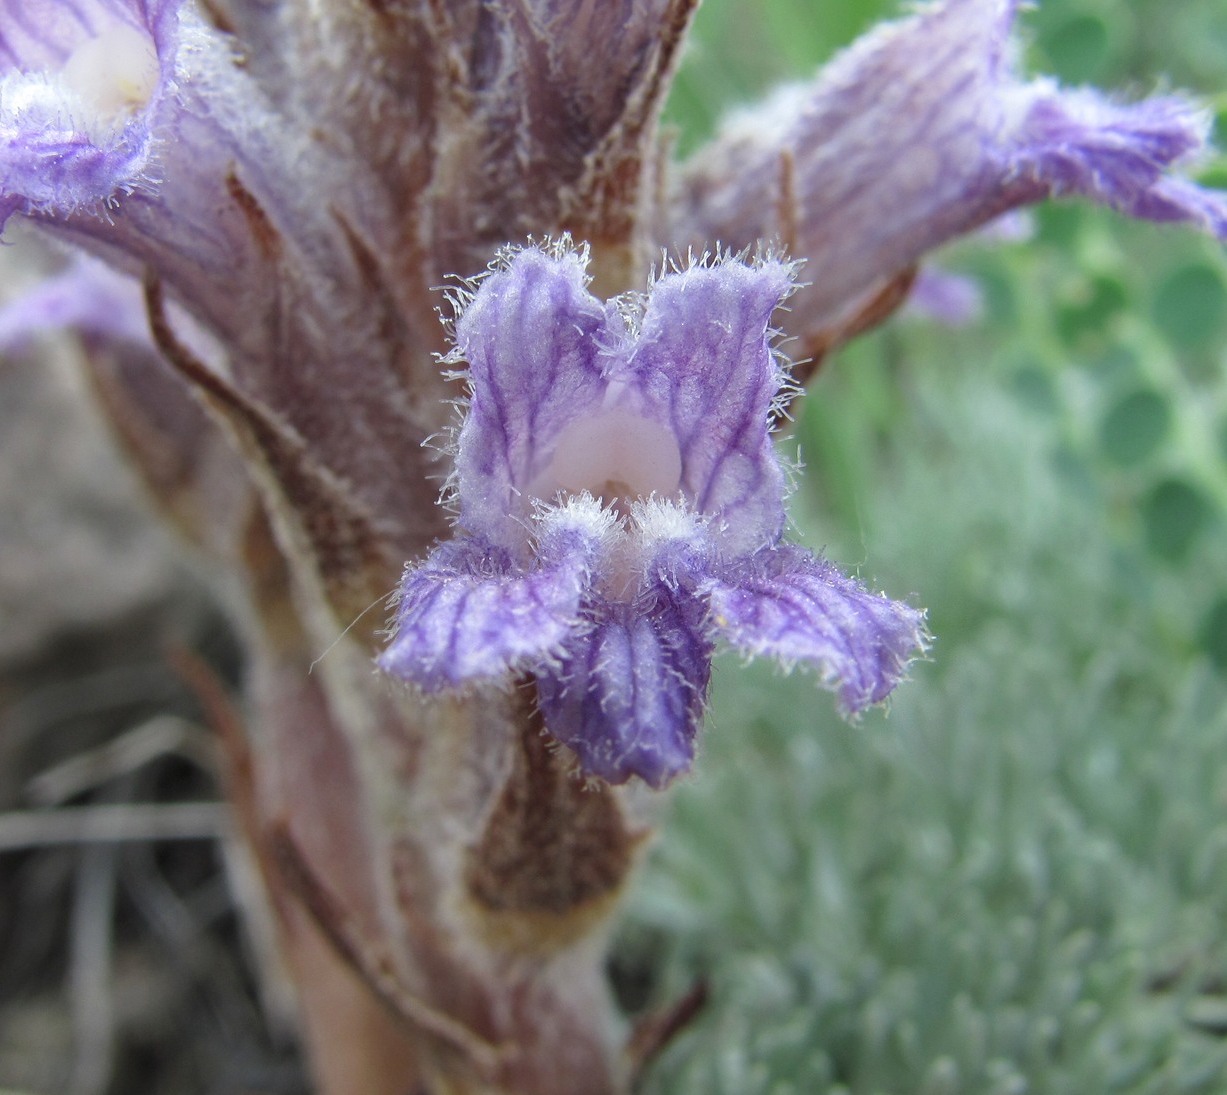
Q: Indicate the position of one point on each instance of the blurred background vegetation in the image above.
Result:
(1014, 880)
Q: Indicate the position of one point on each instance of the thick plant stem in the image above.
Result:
(442, 880)
(482, 970)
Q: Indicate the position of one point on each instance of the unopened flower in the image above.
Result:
(621, 508)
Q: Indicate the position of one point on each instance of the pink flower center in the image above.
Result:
(615, 456)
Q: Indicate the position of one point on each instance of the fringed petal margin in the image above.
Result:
(629, 695)
(704, 362)
(786, 604)
(472, 614)
(531, 335)
(466, 617)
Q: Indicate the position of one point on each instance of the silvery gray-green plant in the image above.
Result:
(277, 189)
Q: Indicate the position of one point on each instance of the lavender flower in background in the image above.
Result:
(921, 131)
(87, 297)
(621, 507)
(942, 296)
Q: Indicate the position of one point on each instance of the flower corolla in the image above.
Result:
(80, 85)
(621, 509)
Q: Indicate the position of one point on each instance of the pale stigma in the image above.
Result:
(114, 73)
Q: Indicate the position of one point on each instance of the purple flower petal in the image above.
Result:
(80, 85)
(789, 605)
(920, 132)
(531, 336)
(1078, 142)
(628, 696)
(469, 614)
(705, 367)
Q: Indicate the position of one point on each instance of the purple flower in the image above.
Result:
(87, 296)
(80, 89)
(621, 508)
(921, 131)
(946, 297)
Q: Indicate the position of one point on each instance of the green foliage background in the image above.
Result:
(1015, 880)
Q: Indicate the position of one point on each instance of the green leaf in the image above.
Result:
(1175, 513)
(1135, 427)
(1077, 49)
(1213, 639)
(1190, 305)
